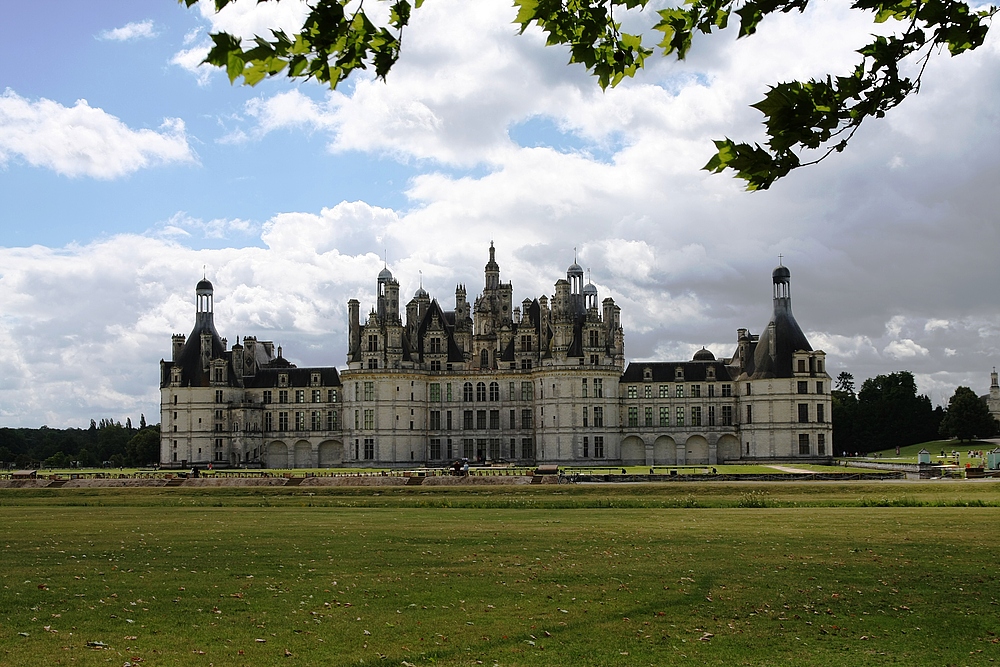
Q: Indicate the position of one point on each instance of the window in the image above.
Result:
(598, 446)
(820, 413)
(219, 374)
(678, 374)
(804, 444)
(435, 392)
(467, 448)
(511, 393)
(331, 420)
(633, 391)
(749, 389)
(819, 387)
(711, 391)
(598, 417)
(480, 391)
(727, 415)
(727, 390)
(525, 343)
(447, 389)
(357, 425)
(484, 359)
(664, 391)
(435, 424)
(494, 391)
(282, 379)
(584, 392)
(268, 423)
(450, 450)
(803, 413)
(526, 419)
(315, 420)
(436, 365)
(316, 394)
(527, 449)
(802, 365)
(648, 417)
(696, 415)
(282, 421)
(513, 420)
(480, 420)
(594, 360)
(679, 393)
(373, 342)
(300, 421)
(435, 447)
(436, 349)
(696, 391)
(586, 446)
(648, 391)
(369, 419)
(595, 338)
(283, 396)
(494, 448)
(369, 448)
(821, 444)
(664, 416)
(373, 364)
(267, 396)
(803, 387)
(633, 417)
(467, 392)
(680, 416)
(495, 420)
(331, 395)
(598, 388)
(819, 365)
(525, 364)
(711, 415)
(527, 391)
(467, 420)
(749, 414)
(369, 391)
(218, 396)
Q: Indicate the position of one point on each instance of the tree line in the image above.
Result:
(106, 442)
(888, 412)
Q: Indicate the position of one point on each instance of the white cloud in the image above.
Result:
(191, 60)
(181, 224)
(130, 32)
(84, 141)
(933, 324)
(904, 349)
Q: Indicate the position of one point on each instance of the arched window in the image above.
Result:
(494, 391)
(484, 359)
(467, 391)
(480, 391)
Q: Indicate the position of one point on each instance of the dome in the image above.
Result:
(574, 270)
(781, 274)
(704, 355)
(384, 275)
(203, 285)
(421, 293)
(590, 288)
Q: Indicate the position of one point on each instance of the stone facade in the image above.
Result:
(544, 381)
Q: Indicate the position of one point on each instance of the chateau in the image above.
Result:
(541, 382)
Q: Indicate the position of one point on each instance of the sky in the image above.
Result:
(128, 171)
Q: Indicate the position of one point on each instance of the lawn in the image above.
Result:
(541, 576)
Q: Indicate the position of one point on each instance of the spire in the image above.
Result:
(492, 270)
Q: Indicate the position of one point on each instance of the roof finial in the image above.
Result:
(779, 259)
(204, 272)
(574, 254)
(421, 278)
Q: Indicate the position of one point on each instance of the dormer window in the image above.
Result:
(679, 373)
(435, 345)
(315, 379)
(647, 374)
(282, 379)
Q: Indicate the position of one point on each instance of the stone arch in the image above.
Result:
(665, 451)
(633, 451)
(277, 455)
(331, 453)
(728, 448)
(303, 454)
(696, 450)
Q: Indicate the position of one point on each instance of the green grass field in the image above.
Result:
(734, 574)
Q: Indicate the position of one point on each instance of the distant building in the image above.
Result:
(541, 382)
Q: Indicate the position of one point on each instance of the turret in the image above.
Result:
(492, 270)
(177, 345)
(353, 327)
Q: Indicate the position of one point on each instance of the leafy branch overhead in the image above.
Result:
(815, 117)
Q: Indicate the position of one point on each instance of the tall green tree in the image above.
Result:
(967, 417)
(844, 415)
(892, 414)
(810, 119)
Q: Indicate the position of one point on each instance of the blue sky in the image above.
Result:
(288, 196)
